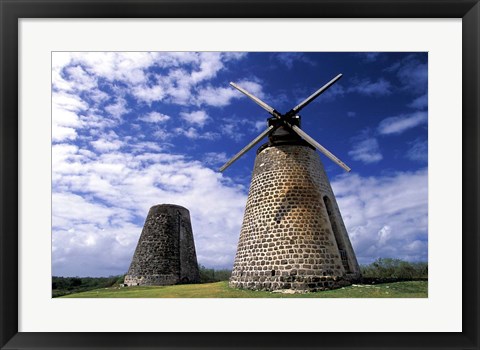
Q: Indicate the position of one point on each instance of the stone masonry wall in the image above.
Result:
(287, 240)
(165, 252)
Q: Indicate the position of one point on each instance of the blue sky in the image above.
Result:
(135, 129)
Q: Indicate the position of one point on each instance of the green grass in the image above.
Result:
(410, 289)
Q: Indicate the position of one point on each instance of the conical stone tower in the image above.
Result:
(165, 252)
(293, 235)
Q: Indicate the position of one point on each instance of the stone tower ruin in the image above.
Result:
(165, 253)
(293, 235)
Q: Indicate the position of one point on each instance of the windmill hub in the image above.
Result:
(283, 134)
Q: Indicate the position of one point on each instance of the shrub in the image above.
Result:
(212, 275)
(395, 269)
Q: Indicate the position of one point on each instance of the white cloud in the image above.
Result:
(381, 87)
(382, 221)
(260, 125)
(399, 124)
(61, 133)
(69, 102)
(105, 145)
(369, 56)
(65, 116)
(95, 122)
(413, 74)
(71, 207)
(103, 186)
(154, 117)
(216, 96)
(118, 108)
(149, 94)
(161, 134)
(107, 142)
(123, 66)
(215, 158)
(418, 151)
(197, 118)
(366, 150)
(80, 79)
(222, 96)
(252, 86)
(145, 146)
(238, 128)
(182, 72)
(182, 83)
(288, 59)
(232, 130)
(420, 102)
(194, 134)
(210, 65)
(385, 216)
(127, 185)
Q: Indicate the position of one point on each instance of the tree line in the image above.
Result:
(395, 269)
(66, 285)
(381, 270)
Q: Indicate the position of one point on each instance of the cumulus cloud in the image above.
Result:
(105, 145)
(106, 177)
(80, 79)
(149, 94)
(66, 115)
(61, 133)
(118, 108)
(252, 86)
(101, 226)
(215, 96)
(154, 117)
(399, 124)
(385, 216)
(68, 101)
(181, 74)
(198, 117)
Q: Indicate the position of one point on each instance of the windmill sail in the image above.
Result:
(284, 118)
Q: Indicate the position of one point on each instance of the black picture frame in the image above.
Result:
(12, 10)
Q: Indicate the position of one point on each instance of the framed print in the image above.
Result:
(117, 116)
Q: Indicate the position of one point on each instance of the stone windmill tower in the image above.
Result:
(293, 235)
(165, 252)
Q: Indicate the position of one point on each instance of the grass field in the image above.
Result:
(409, 289)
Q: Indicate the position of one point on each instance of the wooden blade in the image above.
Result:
(262, 104)
(313, 96)
(246, 148)
(318, 146)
